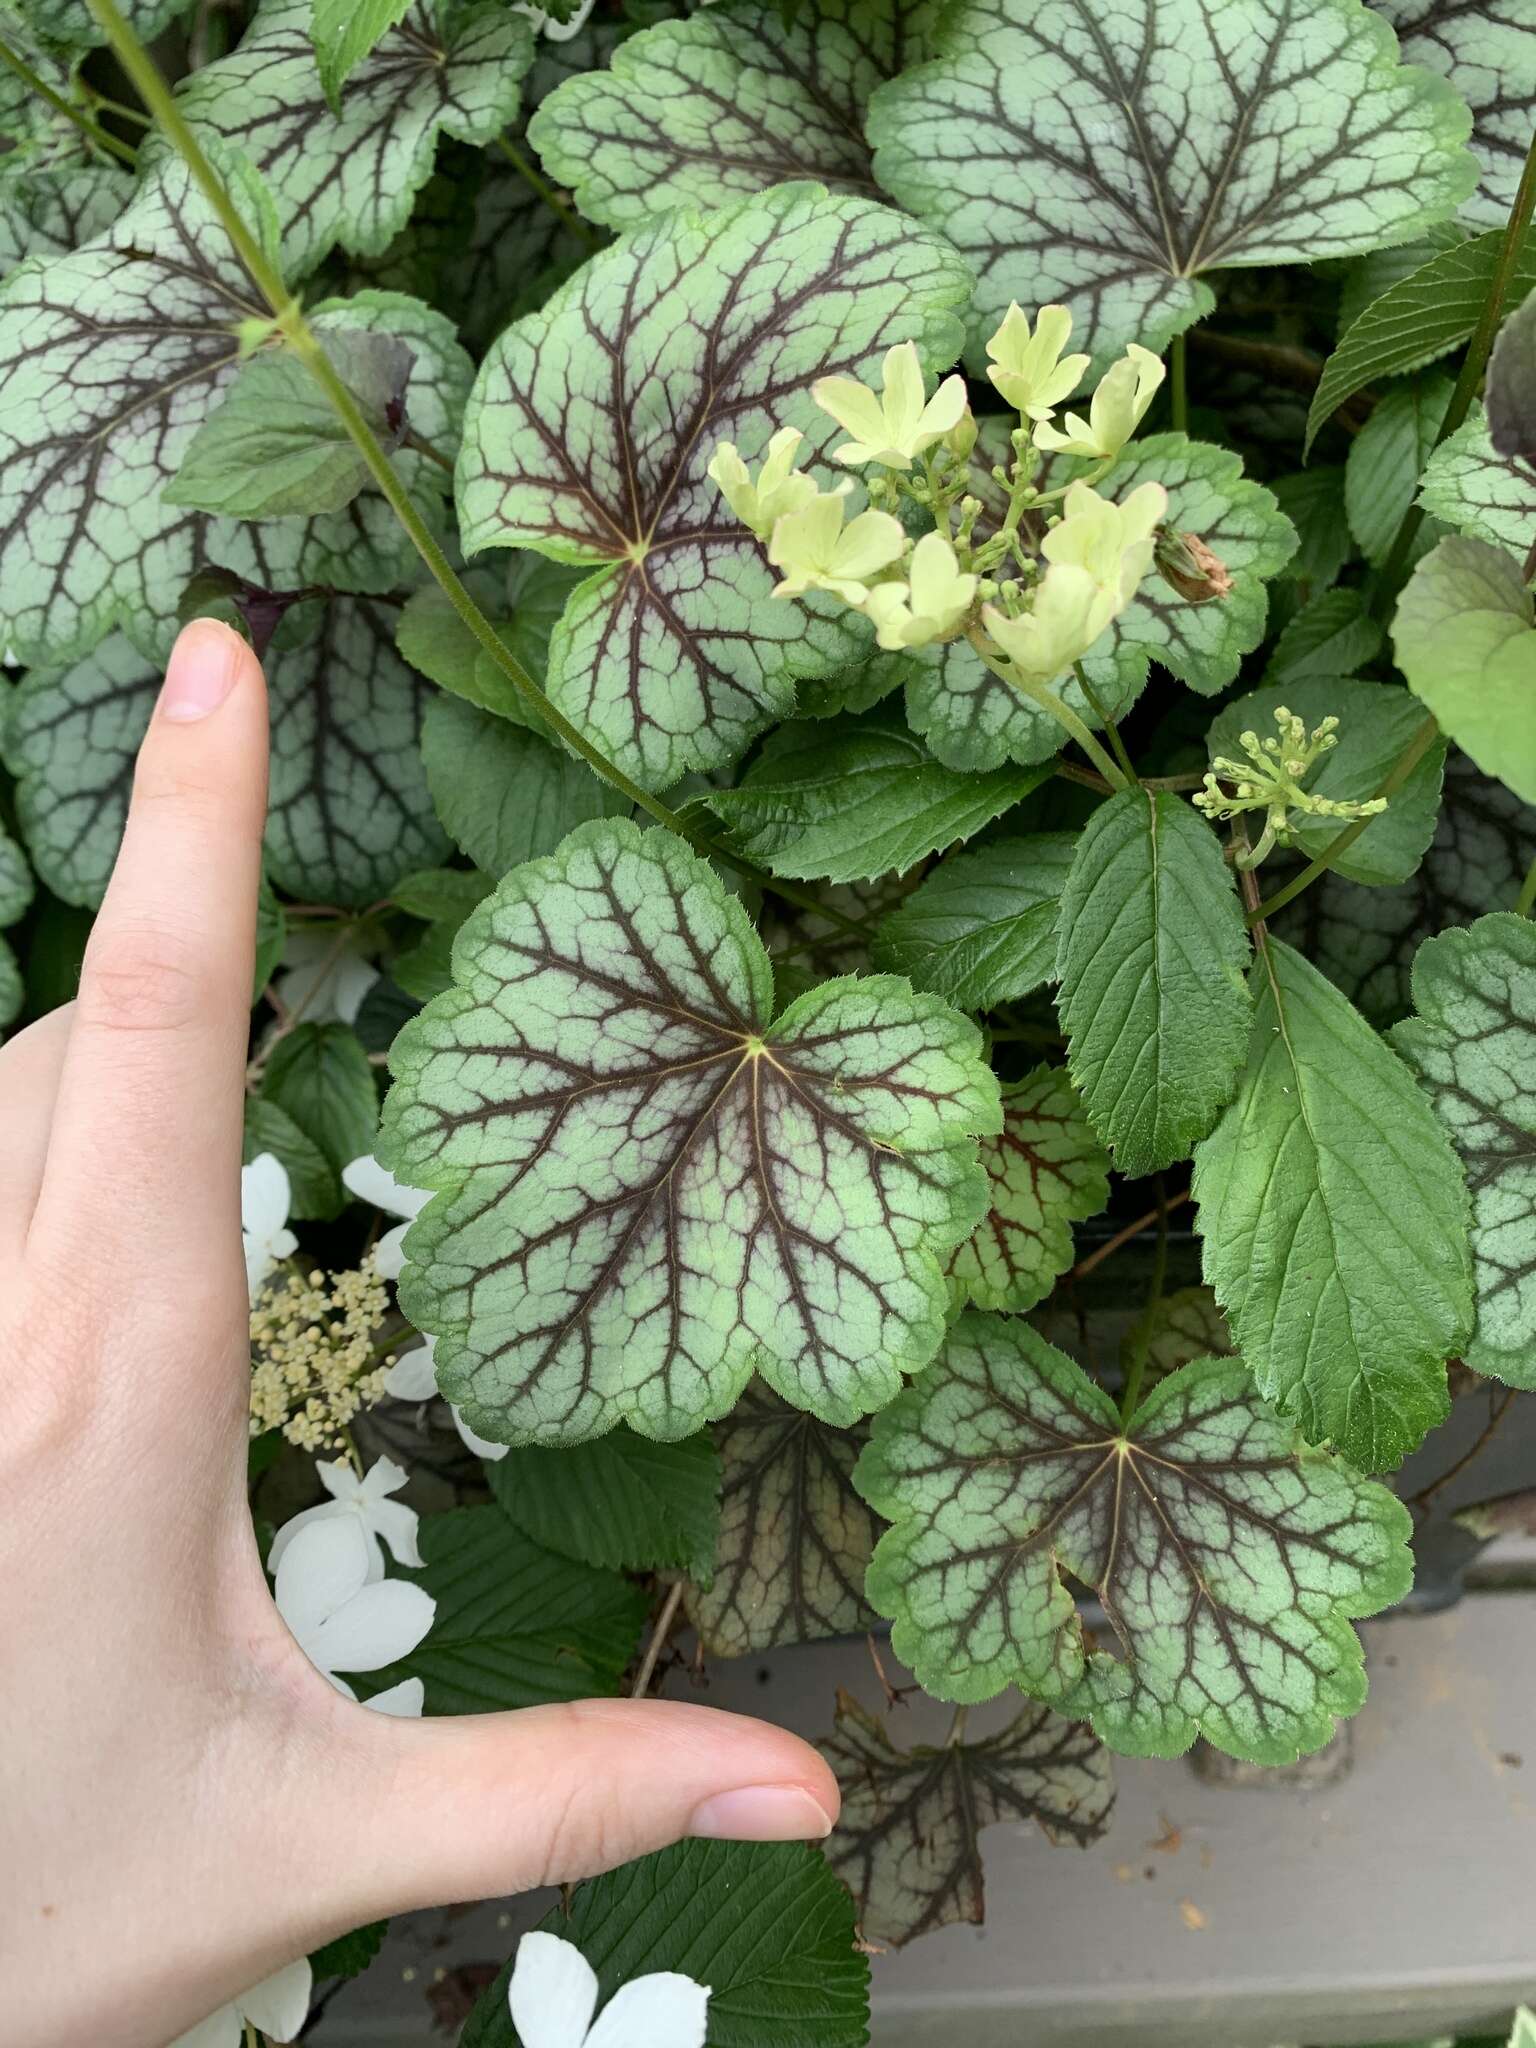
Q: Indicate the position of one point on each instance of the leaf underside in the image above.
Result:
(1229, 1558)
(648, 1190)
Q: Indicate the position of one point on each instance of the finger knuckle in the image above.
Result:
(142, 977)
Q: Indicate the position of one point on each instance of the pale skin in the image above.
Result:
(185, 1804)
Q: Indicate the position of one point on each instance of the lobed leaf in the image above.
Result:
(647, 1190)
(795, 1537)
(1177, 1327)
(908, 1842)
(672, 655)
(980, 928)
(1046, 1171)
(1334, 1220)
(728, 101)
(54, 208)
(1111, 162)
(1229, 1558)
(1150, 956)
(1489, 56)
(1472, 1043)
(1481, 493)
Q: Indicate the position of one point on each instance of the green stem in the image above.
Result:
(1526, 900)
(123, 151)
(1141, 1336)
(1106, 721)
(1423, 739)
(551, 198)
(1478, 347)
(288, 316)
(1178, 387)
(104, 105)
(1049, 702)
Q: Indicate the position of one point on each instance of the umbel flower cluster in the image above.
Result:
(1034, 592)
(1270, 780)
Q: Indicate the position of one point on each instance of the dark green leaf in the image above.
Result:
(504, 795)
(981, 928)
(1229, 1557)
(271, 929)
(1387, 458)
(345, 31)
(1313, 500)
(313, 1185)
(1334, 635)
(320, 1075)
(1512, 377)
(1180, 1326)
(441, 895)
(515, 1625)
(1335, 1216)
(795, 1539)
(622, 1502)
(350, 1954)
(908, 1842)
(861, 798)
(1150, 957)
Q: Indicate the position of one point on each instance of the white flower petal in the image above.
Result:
(661, 2011)
(375, 1184)
(413, 1376)
(397, 1525)
(221, 2029)
(389, 1253)
(306, 1519)
(323, 985)
(323, 1568)
(383, 1476)
(480, 1445)
(264, 1196)
(403, 1702)
(377, 1625)
(553, 1992)
(279, 2004)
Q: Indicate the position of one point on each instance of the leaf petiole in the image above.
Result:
(1049, 702)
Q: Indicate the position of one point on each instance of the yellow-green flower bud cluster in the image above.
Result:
(1270, 779)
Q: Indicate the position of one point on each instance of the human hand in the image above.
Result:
(185, 1802)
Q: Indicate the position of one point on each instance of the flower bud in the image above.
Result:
(1188, 566)
(961, 438)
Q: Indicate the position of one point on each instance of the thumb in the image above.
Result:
(473, 1807)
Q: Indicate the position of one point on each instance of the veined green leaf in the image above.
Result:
(504, 795)
(727, 101)
(764, 1924)
(907, 1843)
(49, 210)
(15, 895)
(452, 67)
(1472, 1044)
(1047, 1171)
(972, 719)
(1334, 1217)
(981, 929)
(1333, 635)
(1229, 1557)
(71, 23)
(1109, 163)
(313, 1186)
(672, 655)
(345, 31)
(1387, 458)
(1466, 645)
(515, 1625)
(846, 802)
(1180, 1326)
(319, 1075)
(1432, 311)
(1150, 957)
(621, 1502)
(648, 1189)
(1313, 500)
(1489, 56)
(1483, 494)
(795, 1537)
(1376, 722)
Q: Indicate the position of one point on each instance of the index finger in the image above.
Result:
(146, 1134)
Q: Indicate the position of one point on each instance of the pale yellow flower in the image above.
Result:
(1113, 542)
(817, 552)
(1118, 408)
(1069, 613)
(1029, 368)
(929, 605)
(778, 488)
(897, 427)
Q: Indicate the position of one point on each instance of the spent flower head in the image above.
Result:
(900, 424)
(1117, 409)
(1028, 366)
(1270, 779)
(816, 551)
(314, 1355)
(778, 487)
(932, 602)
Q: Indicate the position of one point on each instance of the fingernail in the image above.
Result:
(201, 671)
(762, 1813)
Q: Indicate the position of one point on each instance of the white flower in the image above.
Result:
(1029, 368)
(264, 1198)
(929, 606)
(342, 1620)
(817, 552)
(779, 487)
(277, 2007)
(553, 1995)
(413, 1377)
(368, 1499)
(373, 1183)
(324, 983)
(1123, 395)
(897, 426)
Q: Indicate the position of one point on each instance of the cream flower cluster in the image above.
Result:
(1080, 559)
